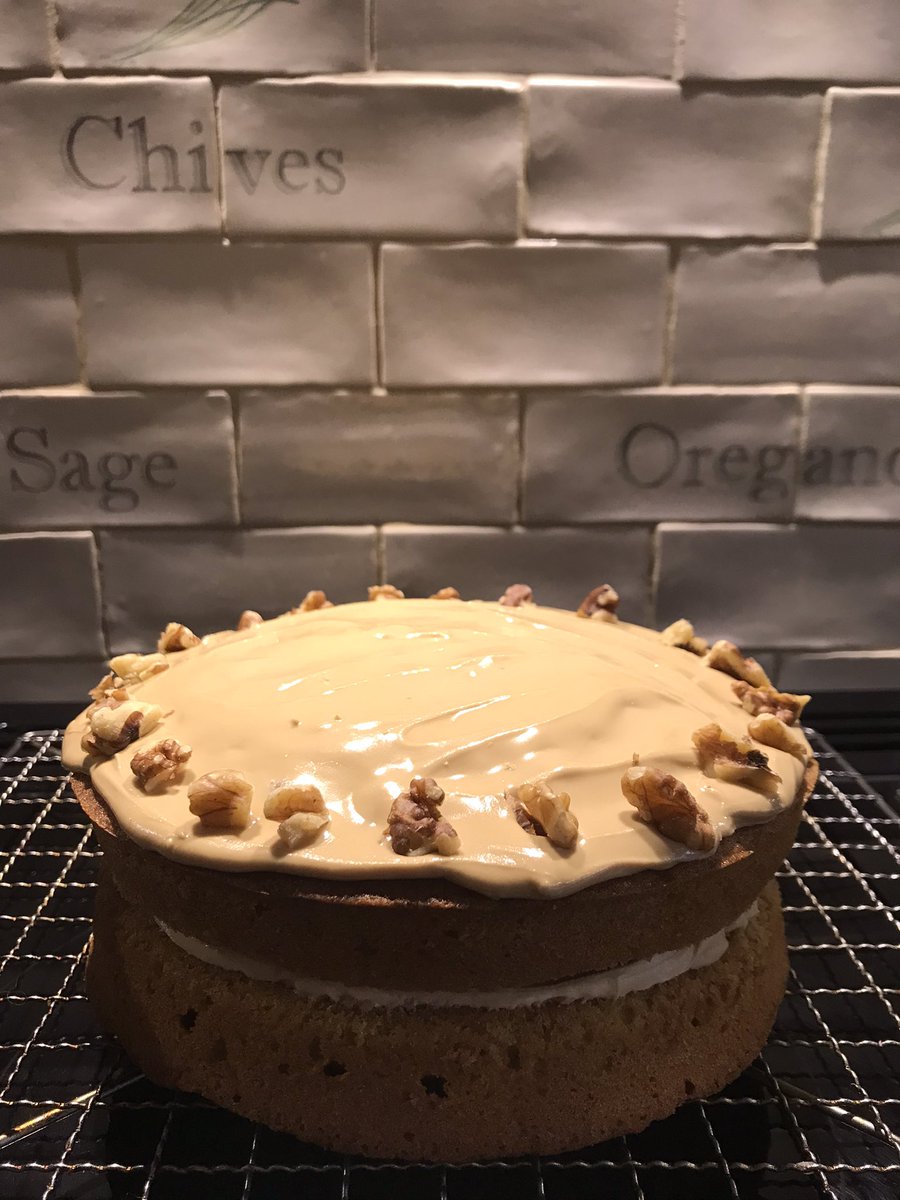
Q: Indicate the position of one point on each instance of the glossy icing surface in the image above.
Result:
(360, 697)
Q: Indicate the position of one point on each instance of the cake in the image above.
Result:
(439, 879)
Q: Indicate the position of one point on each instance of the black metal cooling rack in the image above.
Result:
(817, 1115)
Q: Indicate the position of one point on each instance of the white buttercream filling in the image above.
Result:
(601, 985)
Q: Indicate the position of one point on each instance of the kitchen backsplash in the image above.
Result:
(321, 293)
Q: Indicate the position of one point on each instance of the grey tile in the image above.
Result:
(813, 587)
(199, 313)
(49, 681)
(50, 601)
(319, 457)
(533, 313)
(841, 670)
(109, 155)
(645, 157)
(661, 453)
(171, 35)
(618, 37)
(562, 565)
(207, 577)
(788, 313)
(25, 44)
(793, 39)
(850, 468)
(37, 316)
(72, 460)
(862, 192)
(373, 155)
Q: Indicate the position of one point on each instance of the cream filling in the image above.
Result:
(602, 985)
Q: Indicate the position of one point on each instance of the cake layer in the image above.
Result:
(443, 1084)
(359, 698)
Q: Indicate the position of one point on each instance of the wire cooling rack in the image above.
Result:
(817, 1115)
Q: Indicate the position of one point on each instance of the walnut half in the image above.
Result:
(160, 765)
(784, 705)
(725, 656)
(772, 731)
(664, 802)
(221, 799)
(135, 668)
(541, 810)
(722, 756)
(248, 619)
(312, 601)
(176, 637)
(114, 728)
(385, 591)
(681, 635)
(601, 603)
(446, 593)
(286, 797)
(516, 595)
(415, 824)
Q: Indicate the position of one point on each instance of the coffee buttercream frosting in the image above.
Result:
(359, 698)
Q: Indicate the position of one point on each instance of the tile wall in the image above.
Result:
(300, 295)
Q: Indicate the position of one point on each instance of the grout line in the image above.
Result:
(370, 35)
(238, 462)
(522, 173)
(220, 155)
(378, 326)
(73, 267)
(655, 563)
(821, 167)
(680, 41)
(379, 555)
(101, 593)
(670, 317)
(520, 467)
(51, 15)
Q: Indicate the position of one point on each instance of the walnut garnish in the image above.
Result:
(135, 668)
(109, 687)
(161, 765)
(385, 591)
(773, 731)
(301, 827)
(313, 601)
(664, 802)
(681, 635)
(113, 727)
(516, 595)
(248, 618)
(176, 637)
(286, 797)
(447, 593)
(784, 705)
(221, 799)
(415, 824)
(722, 756)
(725, 656)
(547, 812)
(601, 603)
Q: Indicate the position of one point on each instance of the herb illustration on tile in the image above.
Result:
(199, 21)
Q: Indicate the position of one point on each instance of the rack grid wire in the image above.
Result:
(817, 1114)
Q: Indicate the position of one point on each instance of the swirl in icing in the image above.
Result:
(360, 697)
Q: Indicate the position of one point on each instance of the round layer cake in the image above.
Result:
(441, 880)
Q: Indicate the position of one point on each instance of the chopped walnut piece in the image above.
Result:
(286, 797)
(114, 728)
(313, 601)
(784, 705)
(772, 731)
(516, 595)
(135, 668)
(547, 811)
(664, 802)
(415, 824)
(160, 765)
(447, 593)
(385, 591)
(681, 635)
(108, 688)
(601, 603)
(301, 827)
(725, 656)
(221, 799)
(248, 619)
(722, 756)
(176, 637)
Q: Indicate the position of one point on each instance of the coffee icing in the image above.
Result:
(360, 697)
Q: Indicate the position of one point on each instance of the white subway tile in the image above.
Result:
(561, 565)
(50, 599)
(37, 316)
(660, 454)
(862, 181)
(375, 155)
(76, 460)
(617, 37)
(318, 457)
(207, 577)
(51, 681)
(759, 313)
(203, 313)
(532, 313)
(793, 39)
(643, 157)
(109, 155)
(25, 44)
(814, 587)
(174, 35)
(850, 469)
(841, 670)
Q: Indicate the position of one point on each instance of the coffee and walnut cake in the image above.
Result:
(441, 879)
